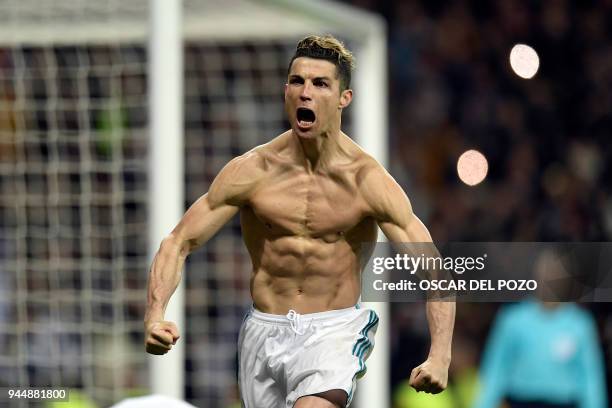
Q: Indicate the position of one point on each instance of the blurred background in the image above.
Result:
(74, 144)
(546, 140)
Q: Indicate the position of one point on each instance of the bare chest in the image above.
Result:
(309, 205)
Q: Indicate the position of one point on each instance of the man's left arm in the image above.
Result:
(395, 217)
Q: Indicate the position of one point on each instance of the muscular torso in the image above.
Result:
(304, 231)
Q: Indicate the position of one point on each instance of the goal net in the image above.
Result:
(74, 145)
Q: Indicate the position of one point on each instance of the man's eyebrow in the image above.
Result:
(321, 78)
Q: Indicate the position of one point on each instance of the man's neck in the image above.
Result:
(317, 151)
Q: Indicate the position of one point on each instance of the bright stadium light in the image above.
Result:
(524, 61)
(472, 167)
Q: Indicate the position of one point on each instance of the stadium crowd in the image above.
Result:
(546, 139)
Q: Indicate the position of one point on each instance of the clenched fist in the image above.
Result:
(160, 336)
(431, 377)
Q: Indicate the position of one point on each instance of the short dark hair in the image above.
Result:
(331, 49)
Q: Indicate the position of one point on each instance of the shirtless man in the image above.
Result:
(308, 199)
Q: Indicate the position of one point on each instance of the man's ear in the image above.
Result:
(345, 98)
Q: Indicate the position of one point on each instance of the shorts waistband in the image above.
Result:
(319, 316)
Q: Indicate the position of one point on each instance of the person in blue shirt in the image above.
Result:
(543, 354)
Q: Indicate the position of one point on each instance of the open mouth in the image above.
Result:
(305, 117)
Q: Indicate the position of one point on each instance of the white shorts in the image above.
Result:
(283, 358)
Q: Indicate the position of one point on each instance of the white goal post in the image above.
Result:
(89, 102)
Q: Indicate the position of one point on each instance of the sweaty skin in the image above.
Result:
(307, 200)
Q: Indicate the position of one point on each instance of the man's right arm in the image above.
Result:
(205, 217)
